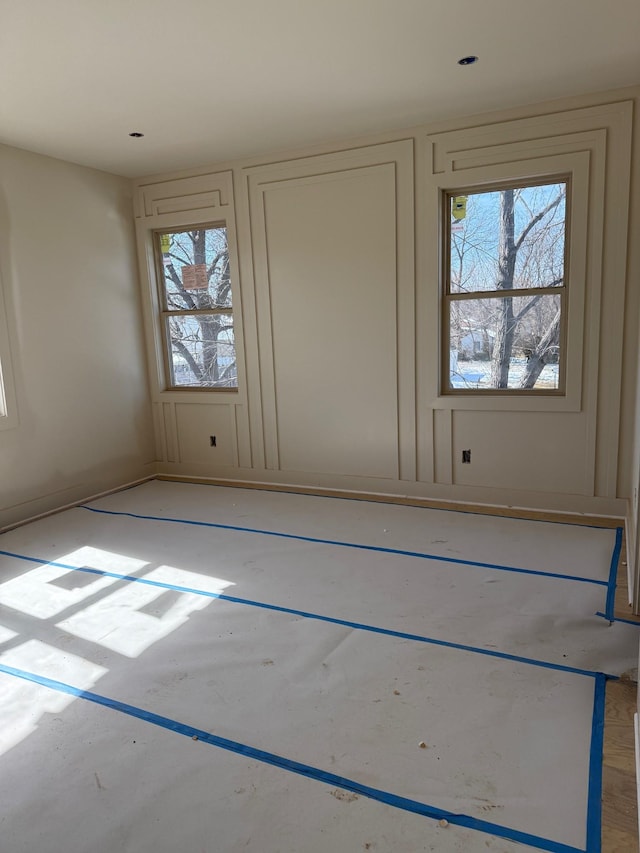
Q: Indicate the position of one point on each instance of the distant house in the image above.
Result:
(476, 344)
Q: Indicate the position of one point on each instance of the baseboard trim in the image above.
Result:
(375, 497)
(404, 500)
(121, 488)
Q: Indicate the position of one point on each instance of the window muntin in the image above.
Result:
(501, 244)
(197, 308)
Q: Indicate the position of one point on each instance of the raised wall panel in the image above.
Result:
(159, 432)
(531, 451)
(332, 260)
(170, 434)
(442, 438)
(197, 425)
(333, 296)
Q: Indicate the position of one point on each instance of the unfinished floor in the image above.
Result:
(198, 668)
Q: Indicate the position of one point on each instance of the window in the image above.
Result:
(505, 298)
(196, 308)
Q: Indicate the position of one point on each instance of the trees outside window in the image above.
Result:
(505, 289)
(197, 309)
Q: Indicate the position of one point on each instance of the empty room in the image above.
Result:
(319, 426)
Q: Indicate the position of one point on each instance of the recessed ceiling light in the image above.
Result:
(136, 134)
(467, 60)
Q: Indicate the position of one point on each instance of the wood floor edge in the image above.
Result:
(619, 787)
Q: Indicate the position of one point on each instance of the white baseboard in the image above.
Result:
(75, 503)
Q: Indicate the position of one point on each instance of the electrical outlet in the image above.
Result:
(213, 441)
(466, 457)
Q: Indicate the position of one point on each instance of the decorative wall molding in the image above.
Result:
(206, 193)
(424, 430)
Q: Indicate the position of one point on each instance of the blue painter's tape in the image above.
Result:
(613, 575)
(617, 619)
(421, 555)
(310, 772)
(359, 626)
(594, 804)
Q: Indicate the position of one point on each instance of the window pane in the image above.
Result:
(507, 239)
(512, 342)
(203, 352)
(195, 267)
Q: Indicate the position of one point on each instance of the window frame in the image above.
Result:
(163, 313)
(447, 298)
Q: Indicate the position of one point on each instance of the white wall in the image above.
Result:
(81, 421)
(365, 412)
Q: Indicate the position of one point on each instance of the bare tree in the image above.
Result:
(506, 322)
(470, 262)
(536, 255)
(537, 359)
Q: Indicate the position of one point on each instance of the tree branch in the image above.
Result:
(534, 301)
(534, 221)
(184, 352)
(214, 263)
(536, 362)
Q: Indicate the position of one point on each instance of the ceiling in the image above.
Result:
(207, 81)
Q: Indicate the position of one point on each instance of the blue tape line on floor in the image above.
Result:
(316, 541)
(617, 619)
(306, 615)
(594, 807)
(310, 772)
(613, 575)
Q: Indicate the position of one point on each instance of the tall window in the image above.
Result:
(197, 310)
(505, 289)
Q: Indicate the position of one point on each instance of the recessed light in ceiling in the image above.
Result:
(467, 60)
(136, 134)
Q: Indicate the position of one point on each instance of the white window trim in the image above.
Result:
(152, 308)
(162, 311)
(576, 166)
(449, 297)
